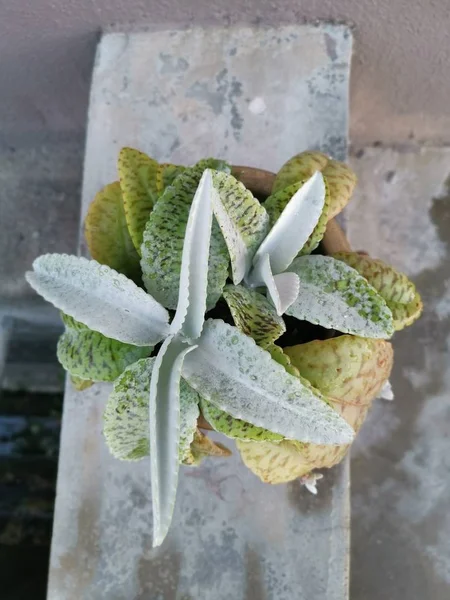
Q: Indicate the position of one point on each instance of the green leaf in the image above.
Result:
(235, 428)
(299, 168)
(216, 164)
(229, 370)
(89, 355)
(126, 414)
(165, 433)
(140, 181)
(283, 359)
(335, 296)
(107, 235)
(242, 219)
(405, 314)
(392, 285)
(253, 314)
(80, 384)
(100, 297)
(162, 247)
(167, 174)
(191, 307)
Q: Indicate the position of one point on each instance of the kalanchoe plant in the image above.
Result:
(180, 232)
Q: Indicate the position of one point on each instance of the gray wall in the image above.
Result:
(400, 81)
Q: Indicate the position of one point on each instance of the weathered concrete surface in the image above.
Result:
(400, 80)
(179, 96)
(401, 459)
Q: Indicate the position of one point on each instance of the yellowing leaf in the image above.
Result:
(299, 168)
(405, 314)
(202, 447)
(341, 181)
(107, 235)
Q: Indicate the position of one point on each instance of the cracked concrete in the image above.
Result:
(401, 460)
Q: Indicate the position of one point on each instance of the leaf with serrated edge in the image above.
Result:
(282, 289)
(392, 285)
(191, 307)
(107, 234)
(139, 183)
(405, 314)
(101, 298)
(90, 355)
(165, 432)
(162, 247)
(298, 168)
(335, 296)
(235, 428)
(294, 226)
(253, 314)
(242, 219)
(126, 414)
(229, 370)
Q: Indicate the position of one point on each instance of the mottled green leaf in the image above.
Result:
(335, 296)
(253, 314)
(229, 370)
(281, 358)
(167, 174)
(100, 297)
(299, 168)
(242, 219)
(126, 415)
(162, 247)
(107, 234)
(341, 181)
(392, 285)
(140, 181)
(405, 314)
(89, 355)
(235, 428)
(216, 164)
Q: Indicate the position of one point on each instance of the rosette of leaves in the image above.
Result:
(154, 405)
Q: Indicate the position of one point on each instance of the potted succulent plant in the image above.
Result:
(226, 298)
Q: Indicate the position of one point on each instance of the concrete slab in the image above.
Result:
(254, 96)
(401, 459)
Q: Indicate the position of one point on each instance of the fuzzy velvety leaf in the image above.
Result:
(229, 370)
(235, 428)
(194, 263)
(165, 434)
(294, 226)
(282, 289)
(392, 285)
(101, 298)
(299, 168)
(140, 181)
(107, 234)
(253, 314)
(162, 247)
(126, 415)
(89, 355)
(242, 219)
(405, 314)
(335, 296)
(341, 181)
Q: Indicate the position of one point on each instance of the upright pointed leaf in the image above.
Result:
(341, 181)
(335, 296)
(235, 428)
(242, 219)
(99, 297)
(162, 247)
(253, 314)
(107, 234)
(165, 432)
(282, 289)
(229, 370)
(126, 414)
(194, 263)
(90, 355)
(294, 226)
(392, 285)
(140, 183)
(299, 168)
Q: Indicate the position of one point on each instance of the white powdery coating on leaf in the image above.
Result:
(229, 370)
(386, 392)
(335, 296)
(100, 297)
(295, 224)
